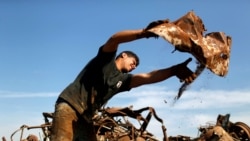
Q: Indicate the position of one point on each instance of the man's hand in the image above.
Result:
(156, 23)
(148, 34)
(183, 72)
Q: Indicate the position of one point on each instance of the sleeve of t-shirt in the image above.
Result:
(105, 56)
(126, 83)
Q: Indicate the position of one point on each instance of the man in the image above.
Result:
(103, 77)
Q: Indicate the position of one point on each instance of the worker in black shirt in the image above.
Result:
(103, 77)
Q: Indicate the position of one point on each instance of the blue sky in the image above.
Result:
(45, 44)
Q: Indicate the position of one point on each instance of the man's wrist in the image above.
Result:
(141, 34)
(174, 70)
(146, 34)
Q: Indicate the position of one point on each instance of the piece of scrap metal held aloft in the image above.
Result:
(211, 50)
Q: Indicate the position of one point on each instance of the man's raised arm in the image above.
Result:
(126, 36)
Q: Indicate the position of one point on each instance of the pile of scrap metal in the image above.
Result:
(46, 128)
(111, 124)
(223, 130)
(114, 124)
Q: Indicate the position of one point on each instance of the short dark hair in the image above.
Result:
(130, 54)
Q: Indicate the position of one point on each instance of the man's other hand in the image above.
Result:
(183, 72)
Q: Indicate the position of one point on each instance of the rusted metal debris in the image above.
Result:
(45, 127)
(186, 34)
(114, 124)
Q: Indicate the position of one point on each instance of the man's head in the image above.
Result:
(127, 61)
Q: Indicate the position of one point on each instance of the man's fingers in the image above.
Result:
(190, 78)
(194, 76)
(188, 61)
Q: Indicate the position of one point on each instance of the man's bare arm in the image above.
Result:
(151, 77)
(181, 71)
(125, 36)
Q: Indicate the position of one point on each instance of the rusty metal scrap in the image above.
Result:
(187, 35)
(114, 124)
(226, 130)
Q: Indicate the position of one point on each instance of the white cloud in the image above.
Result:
(8, 94)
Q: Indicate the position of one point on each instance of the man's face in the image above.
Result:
(129, 64)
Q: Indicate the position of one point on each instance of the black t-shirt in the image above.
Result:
(96, 83)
